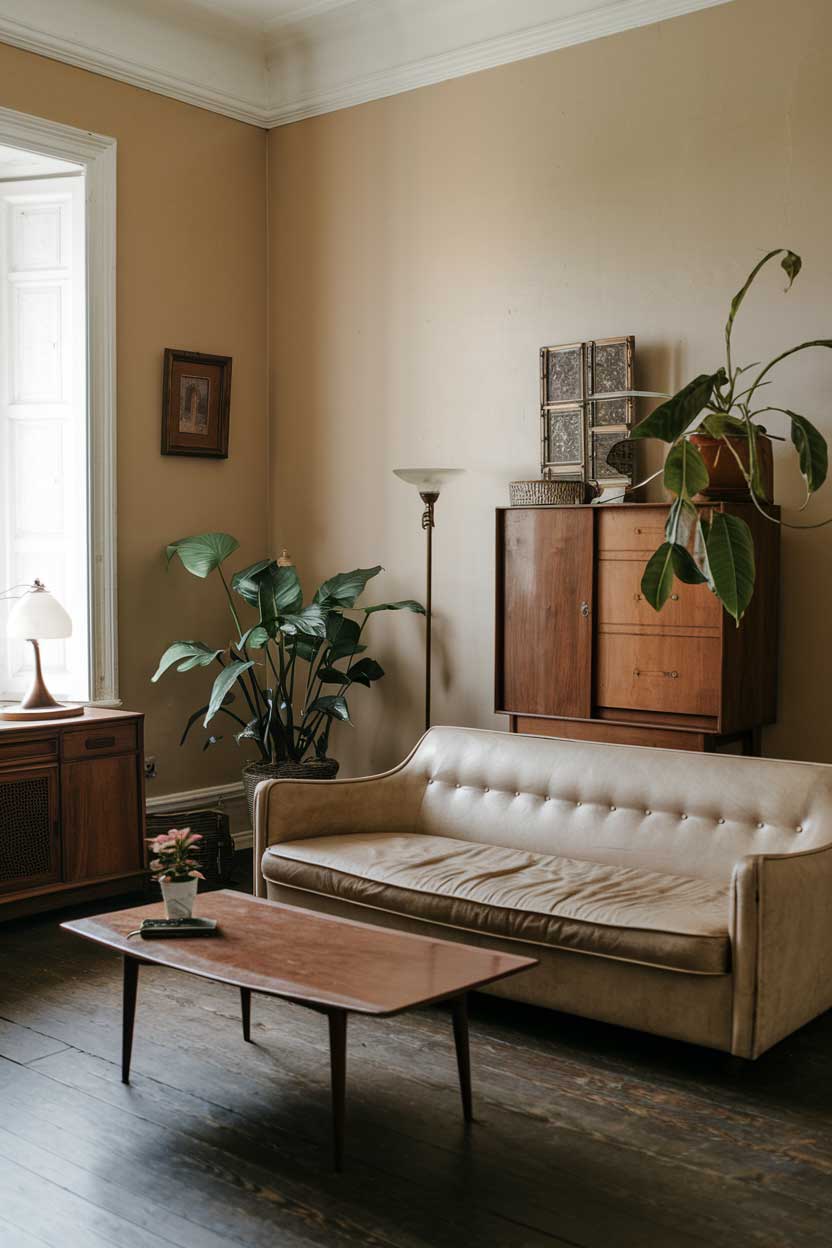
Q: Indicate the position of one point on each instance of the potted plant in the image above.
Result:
(724, 453)
(290, 670)
(175, 870)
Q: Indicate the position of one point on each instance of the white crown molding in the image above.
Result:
(145, 49)
(321, 56)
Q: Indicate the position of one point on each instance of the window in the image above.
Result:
(43, 413)
(57, 397)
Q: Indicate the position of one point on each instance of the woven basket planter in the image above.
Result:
(315, 769)
(543, 493)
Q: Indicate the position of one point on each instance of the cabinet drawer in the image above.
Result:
(14, 751)
(631, 529)
(98, 739)
(621, 602)
(678, 675)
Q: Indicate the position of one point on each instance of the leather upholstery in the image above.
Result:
(624, 913)
(757, 831)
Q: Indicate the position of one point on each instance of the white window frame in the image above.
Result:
(97, 154)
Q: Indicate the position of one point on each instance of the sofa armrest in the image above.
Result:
(291, 810)
(781, 935)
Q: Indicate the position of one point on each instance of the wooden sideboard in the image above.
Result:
(71, 810)
(581, 654)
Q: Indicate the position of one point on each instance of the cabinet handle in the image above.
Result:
(99, 743)
(669, 675)
(584, 609)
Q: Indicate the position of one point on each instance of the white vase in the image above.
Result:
(179, 898)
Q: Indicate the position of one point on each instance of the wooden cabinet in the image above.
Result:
(580, 653)
(71, 810)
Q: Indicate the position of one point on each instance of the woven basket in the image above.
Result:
(315, 769)
(214, 853)
(544, 493)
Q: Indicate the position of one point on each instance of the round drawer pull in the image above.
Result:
(674, 597)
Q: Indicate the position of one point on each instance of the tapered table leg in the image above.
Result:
(245, 1007)
(463, 1054)
(128, 1015)
(338, 1068)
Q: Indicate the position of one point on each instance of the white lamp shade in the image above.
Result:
(428, 480)
(37, 616)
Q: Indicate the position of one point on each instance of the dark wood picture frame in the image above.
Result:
(196, 404)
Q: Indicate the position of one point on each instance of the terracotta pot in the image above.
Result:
(315, 769)
(727, 481)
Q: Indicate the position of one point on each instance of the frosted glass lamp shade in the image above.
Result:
(428, 480)
(38, 616)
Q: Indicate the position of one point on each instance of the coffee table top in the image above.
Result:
(307, 956)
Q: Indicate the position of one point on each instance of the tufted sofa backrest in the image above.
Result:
(669, 810)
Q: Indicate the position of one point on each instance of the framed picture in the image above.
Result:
(196, 404)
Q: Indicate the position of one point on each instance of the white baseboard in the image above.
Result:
(229, 797)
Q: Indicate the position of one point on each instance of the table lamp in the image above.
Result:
(428, 482)
(36, 617)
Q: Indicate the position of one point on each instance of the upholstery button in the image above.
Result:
(486, 790)
(456, 786)
(612, 808)
(579, 803)
(761, 825)
(516, 794)
(683, 816)
(799, 828)
(720, 819)
(648, 812)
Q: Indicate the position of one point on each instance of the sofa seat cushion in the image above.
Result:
(626, 913)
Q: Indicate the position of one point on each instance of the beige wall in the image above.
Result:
(191, 274)
(424, 247)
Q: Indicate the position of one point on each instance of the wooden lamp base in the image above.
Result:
(39, 703)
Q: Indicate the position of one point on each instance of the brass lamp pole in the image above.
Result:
(428, 482)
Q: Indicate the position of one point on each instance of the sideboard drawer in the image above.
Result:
(107, 738)
(621, 602)
(14, 752)
(628, 530)
(674, 674)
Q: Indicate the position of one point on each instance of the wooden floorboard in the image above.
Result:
(586, 1136)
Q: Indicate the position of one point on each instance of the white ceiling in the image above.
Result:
(269, 62)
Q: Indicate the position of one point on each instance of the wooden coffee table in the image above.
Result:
(331, 965)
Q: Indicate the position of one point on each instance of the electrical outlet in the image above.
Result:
(150, 767)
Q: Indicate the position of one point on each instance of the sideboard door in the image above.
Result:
(545, 611)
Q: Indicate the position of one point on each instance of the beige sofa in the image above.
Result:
(686, 895)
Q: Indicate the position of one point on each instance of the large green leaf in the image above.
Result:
(658, 576)
(311, 621)
(202, 554)
(790, 264)
(407, 604)
(731, 562)
(279, 594)
(718, 424)
(223, 685)
(331, 675)
(365, 671)
(344, 589)
(335, 706)
(811, 450)
(685, 473)
(341, 630)
(670, 420)
(255, 637)
(246, 582)
(186, 654)
(685, 566)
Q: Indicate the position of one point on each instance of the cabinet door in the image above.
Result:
(101, 826)
(544, 611)
(30, 850)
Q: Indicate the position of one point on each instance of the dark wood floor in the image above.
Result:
(585, 1135)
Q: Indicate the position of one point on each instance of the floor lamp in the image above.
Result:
(429, 483)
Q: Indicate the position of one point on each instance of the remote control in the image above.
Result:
(155, 928)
